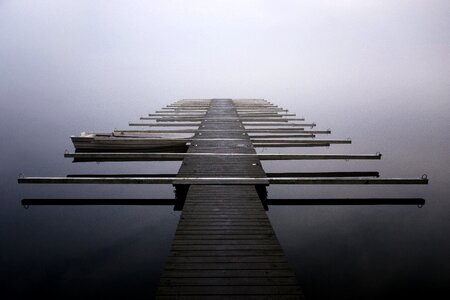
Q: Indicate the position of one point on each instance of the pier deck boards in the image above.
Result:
(224, 245)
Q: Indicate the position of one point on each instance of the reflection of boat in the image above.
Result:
(123, 141)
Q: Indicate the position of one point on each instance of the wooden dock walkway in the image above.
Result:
(224, 245)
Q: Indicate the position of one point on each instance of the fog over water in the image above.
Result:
(375, 71)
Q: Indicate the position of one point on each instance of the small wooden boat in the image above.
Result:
(122, 141)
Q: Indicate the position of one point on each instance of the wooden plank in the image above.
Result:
(240, 259)
(227, 266)
(95, 180)
(325, 174)
(123, 175)
(229, 231)
(216, 180)
(230, 290)
(227, 274)
(286, 130)
(292, 145)
(246, 131)
(176, 113)
(124, 131)
(90, 201)
(227, 253)
(265, 113)
(348, 201)
(171, 109)
(247, 124)
(165, 125)
(242, 237)
(234, 297)
(297, 141)
(203, 113)
(142, 180)
(203, 248)
(223, 242)
(247, 120)
(282, 136)
(294, 180)
(106, 156)
(230, 281)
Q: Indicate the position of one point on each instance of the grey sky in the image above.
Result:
(225, 48)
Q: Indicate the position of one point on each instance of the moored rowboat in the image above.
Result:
(119, 141)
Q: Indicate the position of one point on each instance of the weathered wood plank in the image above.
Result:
(227, 274)
(246, 119)
(230, 290)
(325, 174)
(217, 180)
(233, 297)
(193, 124)
(225, 242)
(212, 156)
(292, 145)
(293, 180)
(240, 130)
(247, 124)
(229, 281)
(348, 201)
(239, 259)
(227, 265)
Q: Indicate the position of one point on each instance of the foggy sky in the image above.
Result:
(140, 51)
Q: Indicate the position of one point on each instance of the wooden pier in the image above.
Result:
(224, 245)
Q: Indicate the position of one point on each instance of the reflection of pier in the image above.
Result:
(177, 202)
(224, 244)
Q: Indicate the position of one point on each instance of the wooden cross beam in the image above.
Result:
(273, 175)
(105, 156)
(245, 131)
(347, 201)
(217, 180)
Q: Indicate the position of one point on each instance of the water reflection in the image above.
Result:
(83, 201)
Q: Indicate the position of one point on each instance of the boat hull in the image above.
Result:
(112, 144)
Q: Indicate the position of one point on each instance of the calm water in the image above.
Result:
(336, 251)
(375, 71)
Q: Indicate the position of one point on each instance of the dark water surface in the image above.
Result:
(117, 251)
